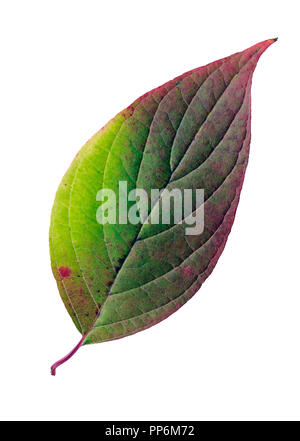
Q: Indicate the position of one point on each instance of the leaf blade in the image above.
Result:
(193, 132)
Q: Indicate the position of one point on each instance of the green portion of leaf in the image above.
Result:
(81, 299)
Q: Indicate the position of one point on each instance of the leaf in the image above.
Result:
(191, 133)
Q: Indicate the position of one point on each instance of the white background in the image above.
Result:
(232, 352)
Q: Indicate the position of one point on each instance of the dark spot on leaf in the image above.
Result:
(64, 272)
(120, 261)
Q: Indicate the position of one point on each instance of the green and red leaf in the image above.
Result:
(192, 132)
